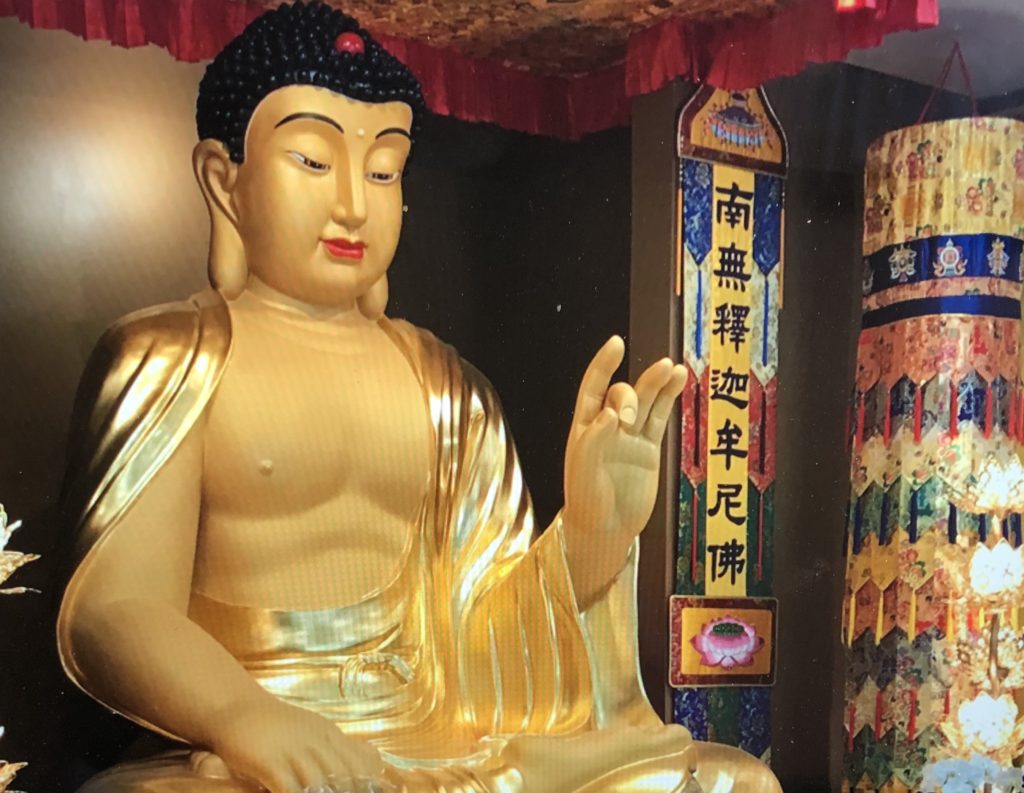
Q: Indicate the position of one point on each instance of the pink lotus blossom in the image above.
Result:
(727, 642)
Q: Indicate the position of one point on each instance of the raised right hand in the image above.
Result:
(286, 749)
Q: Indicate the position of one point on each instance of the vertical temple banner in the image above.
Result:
(728, 280)
(732, 236)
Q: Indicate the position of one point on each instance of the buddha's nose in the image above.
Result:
(350, 206)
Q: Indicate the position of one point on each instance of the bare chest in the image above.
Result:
(295, 426)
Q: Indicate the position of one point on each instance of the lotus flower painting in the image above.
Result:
(727, 642)
(721, 641)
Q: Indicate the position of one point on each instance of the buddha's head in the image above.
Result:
(305, 124)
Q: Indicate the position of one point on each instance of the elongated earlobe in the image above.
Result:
(216, 174)
(227, 269)
(375, 300)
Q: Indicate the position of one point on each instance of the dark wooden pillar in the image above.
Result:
(654, 334)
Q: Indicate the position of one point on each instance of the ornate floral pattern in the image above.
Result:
(949, 345)
(948, 177)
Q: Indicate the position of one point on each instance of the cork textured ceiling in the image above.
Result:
(561, 37)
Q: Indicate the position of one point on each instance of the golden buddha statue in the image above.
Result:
(304, 550)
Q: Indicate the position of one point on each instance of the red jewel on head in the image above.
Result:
(351, 43)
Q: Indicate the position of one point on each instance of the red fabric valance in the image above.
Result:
(740, 53)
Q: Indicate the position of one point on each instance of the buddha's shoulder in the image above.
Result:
(429, 349)
(428, 344)
(146, 350)
(420, 339)
(176, 325)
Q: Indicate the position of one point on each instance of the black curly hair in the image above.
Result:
(295, 44)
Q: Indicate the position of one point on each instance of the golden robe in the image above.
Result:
(474, 662)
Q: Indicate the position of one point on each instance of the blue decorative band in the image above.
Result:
(756, 720)
(767, 221)
(973, 305)
(947, 256)
(690, 708)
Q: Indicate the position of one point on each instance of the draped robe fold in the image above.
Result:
(504, 658)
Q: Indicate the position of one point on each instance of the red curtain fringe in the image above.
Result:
(734, 54)
(746, 52)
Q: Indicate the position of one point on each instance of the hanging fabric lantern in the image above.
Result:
(937, 393)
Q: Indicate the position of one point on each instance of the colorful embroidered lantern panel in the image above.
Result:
(937, 392)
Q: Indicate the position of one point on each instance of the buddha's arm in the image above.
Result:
(130, 635)
(532, 658)
(136, 649)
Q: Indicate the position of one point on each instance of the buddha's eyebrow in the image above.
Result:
(394, 131)
(311, 116)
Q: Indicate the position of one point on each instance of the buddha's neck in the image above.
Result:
(263, 298)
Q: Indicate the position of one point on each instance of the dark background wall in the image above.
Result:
(515, 250)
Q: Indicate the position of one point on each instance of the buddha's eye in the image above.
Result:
(382, 177)
(308, 162)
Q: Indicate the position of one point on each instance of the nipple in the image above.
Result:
(266, 467)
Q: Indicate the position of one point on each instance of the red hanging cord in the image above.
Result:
(912, 720)
(1011, 420)
(694, 538)
(956, 53)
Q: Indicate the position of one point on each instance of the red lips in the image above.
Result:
(345, 249)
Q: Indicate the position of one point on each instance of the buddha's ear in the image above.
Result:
(217, 175)
(373, 302)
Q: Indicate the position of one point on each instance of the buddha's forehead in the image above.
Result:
(348, 113)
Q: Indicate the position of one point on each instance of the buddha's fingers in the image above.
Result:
(654, 430)
(623, 400)
(310, 772)
(596, 380)
(648, 386)
(208, 766)
(597, 436)
(325, 766)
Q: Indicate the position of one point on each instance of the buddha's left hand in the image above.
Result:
(612, 463)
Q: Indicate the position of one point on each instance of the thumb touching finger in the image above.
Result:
(602, 429)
